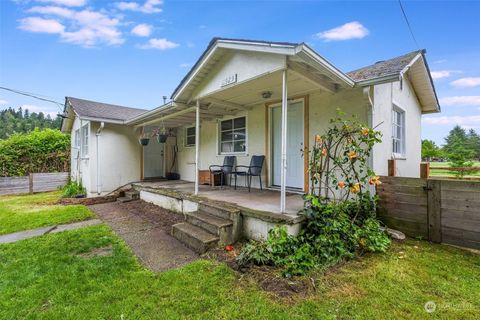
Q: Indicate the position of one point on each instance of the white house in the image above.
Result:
(247, 98)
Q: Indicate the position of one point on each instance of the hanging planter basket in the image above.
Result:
(162, 138)
(144, 141)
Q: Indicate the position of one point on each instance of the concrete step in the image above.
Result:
(214, 210)
(132, 194)
(125, 199)
(215, 225)
(194, 237)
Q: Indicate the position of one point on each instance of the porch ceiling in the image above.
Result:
(237, 98)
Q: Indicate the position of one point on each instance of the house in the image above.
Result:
(233, 102)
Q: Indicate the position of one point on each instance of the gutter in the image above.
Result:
(97, 135)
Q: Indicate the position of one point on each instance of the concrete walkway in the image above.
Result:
(148, 237)
(22, 235)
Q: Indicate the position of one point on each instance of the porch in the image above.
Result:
(265, 200)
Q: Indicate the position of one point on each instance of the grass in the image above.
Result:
(25, 212)
(448, 173)
(53, 277)
(47, 278)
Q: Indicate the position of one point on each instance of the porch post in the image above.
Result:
(283, 173)
(197, 144)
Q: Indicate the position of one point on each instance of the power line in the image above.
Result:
(408, 23)
(35, 96)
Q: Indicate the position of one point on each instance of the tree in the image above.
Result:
(22, 121)
(455, 137)
(430, 150)
(473, 143)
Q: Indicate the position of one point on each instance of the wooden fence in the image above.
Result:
(439, 210)
(35, 182)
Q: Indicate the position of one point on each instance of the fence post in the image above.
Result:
(30, 183)
(392, 168)
(425, 170)
(434, 214)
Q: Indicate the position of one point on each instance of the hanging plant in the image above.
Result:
(144, 138)
(162, 134)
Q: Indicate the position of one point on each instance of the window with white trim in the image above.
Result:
(398, 131)
(76, 141)
(84, 148)
(233, 136)
(190, 136)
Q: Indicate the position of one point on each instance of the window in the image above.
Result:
(398, 131)
(233, 135)
(76, 141)
(190, 137)
(85, 140)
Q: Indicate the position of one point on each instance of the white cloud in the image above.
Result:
(440, 61)
(36, 24)
(184, 65)
(461, 101)
(160, 44)
(142, 30)
(466, 82)
(68, 3)
(443, 73)
(150, 6)
(350, 30)
(2, 101)
(464, 121)
(85, 27)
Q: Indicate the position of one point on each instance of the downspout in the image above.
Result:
(99, 132)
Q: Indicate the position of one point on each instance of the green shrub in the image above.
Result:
(73, 189)
(45, 150)
(332, 232)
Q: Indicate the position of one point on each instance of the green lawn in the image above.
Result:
(45, 278)
(448, 173)
(25, 212)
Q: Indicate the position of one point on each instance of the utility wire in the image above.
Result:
(408, 23)
(35, 96)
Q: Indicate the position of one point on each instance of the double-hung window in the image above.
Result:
(233, 136)
(190, 137)
(84, 138)
(398, 132)
(76, 141)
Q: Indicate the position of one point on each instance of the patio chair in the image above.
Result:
(223, 170)
(253, 170)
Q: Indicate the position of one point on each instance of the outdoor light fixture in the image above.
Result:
(267, 94)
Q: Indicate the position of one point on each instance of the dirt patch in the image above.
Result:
(267, 278)
(157, 216)
(97, 252)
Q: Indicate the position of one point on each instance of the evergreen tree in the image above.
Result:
(22, 121)
(473, 143)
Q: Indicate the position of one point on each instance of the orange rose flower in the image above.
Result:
(318, 139)
(365, 131)
(324, 152)
(341, 184)
(352, 155)
(355, 188)
(374, 181)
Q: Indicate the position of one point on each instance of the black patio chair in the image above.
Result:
(223, 170)
(253, 170)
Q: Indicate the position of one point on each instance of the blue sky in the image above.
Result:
(133, 52)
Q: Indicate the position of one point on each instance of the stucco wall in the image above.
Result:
(80, 166)
(385, 96)
(120, 157)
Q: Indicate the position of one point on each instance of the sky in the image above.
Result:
(134, 52)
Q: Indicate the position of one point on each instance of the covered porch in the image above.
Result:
(243, 99)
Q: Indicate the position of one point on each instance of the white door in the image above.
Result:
(295, 174)
(153, 155)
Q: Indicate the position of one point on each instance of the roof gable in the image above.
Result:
(384, 68)
(102, 111)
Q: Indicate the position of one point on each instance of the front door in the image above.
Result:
(153, 157)
(295, 174)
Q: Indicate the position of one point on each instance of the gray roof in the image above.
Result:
(383, 68)
(100, 110)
